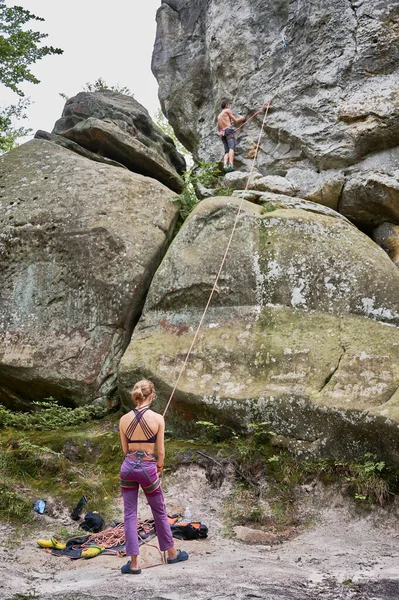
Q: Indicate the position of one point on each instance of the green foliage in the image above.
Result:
(19, 47)
(260, 431)
(167, 128)
(13, 505)
(268, 207)
(209, 432)
(188, 198)
(34, 464)
(222, 191)
(268, 491)
(244, 507)
(206, 173)
(9, 134)
(100, 85)
(27, 596)
(49, 416)
(209, 426)
(366, 481)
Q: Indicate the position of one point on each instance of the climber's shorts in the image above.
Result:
(228, 139)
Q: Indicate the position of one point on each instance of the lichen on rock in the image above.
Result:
(79, 243)
(304, 324)
(330, 72)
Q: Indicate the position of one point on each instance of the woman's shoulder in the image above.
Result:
(125, 417)
(155, 415)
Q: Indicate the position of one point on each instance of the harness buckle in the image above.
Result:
(140, 454)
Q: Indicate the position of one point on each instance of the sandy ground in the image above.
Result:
(339, 547)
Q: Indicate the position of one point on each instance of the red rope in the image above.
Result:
(253, 116)
(223, 260)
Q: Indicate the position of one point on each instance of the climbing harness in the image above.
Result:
(266, 105)
(128, 483)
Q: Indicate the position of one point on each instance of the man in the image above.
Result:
(225, 122)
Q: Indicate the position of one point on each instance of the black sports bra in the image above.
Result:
(151, 437)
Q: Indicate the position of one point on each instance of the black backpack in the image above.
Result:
(189, 531)
(93, 522)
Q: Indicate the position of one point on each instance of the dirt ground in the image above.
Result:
(339, 556)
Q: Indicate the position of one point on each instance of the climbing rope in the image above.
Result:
(115, 536)
(253, 116)
(266, 105)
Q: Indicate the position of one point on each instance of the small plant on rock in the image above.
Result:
(49, 415)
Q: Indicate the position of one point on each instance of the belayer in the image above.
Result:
(226, 132)
(140, 430)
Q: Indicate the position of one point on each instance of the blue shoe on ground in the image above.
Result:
(230, 169)
(126, 569)
(181, 555)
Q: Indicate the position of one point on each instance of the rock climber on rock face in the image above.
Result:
(225, 121)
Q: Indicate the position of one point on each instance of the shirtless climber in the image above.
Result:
(226, 132)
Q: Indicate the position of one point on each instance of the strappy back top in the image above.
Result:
(138, 418)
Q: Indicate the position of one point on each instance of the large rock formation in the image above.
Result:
(331, 71)
(117, 127)
(79, 244)
(302, 330)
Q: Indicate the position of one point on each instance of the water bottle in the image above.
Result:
(187, 514)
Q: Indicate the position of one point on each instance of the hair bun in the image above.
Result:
(142, 390)
(138, 395)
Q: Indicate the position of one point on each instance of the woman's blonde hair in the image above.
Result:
(142, 389)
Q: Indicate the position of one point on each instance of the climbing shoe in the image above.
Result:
(230, 169)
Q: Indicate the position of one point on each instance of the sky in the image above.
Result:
(112, 40)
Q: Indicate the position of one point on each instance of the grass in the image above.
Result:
(269, 479)
(59, 463)
(27, 596)
(64, 464)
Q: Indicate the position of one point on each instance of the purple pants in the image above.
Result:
(145, 474)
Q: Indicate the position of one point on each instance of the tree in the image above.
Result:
(167, 128)
(8, 132)
(19, 49)
(99, 85)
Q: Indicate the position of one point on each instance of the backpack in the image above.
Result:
(189, 531)
(93, 522)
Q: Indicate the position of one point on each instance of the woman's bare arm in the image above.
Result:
(125, 446)
(161, 442)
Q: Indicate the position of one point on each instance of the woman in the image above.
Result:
(140, 430)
